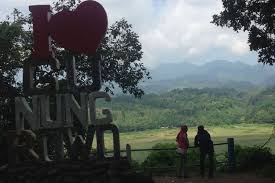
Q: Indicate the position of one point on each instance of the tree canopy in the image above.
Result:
(193, 106)
(120, 49)
(257, 17)
(12, 47)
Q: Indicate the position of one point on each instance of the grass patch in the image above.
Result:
(244, 134)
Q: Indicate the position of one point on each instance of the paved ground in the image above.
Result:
(234, 178)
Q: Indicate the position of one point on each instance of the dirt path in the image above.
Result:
(235, 178)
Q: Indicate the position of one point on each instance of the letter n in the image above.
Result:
(24, 112)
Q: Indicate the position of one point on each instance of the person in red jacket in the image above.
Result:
(183, 144)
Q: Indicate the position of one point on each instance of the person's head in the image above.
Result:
(200, 128)
(184, 128)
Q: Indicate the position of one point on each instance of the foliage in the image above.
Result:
(247, 158)
(252, 158)
(3, 146)
(262, 106)
(256, 17)
(168, 158)
(208, 106)
(268, 171)
(135, 165)
(121, 53)
(12, 47)
(161, 158)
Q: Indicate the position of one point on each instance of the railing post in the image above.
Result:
(128, 152)
(231, 155)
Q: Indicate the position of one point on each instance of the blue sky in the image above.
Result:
(170, 30)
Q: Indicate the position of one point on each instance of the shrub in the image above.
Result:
(252, 158)
(135, 165)
(168, 158)
(161, 158)
(268, 171)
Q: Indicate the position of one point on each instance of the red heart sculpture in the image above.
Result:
(82, 30)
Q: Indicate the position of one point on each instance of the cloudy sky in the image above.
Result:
(170, 30)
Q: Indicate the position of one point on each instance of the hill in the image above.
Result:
(193, 106)
(215, 74)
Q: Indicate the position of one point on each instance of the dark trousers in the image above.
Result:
(211, 163)
(182, 171)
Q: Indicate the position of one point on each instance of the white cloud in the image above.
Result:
(2, 15)
(171, 29)
(185, 24)
(240, 47)
(236, 42)
(193, 51)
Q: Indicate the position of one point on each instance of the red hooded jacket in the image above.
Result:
(182, 140)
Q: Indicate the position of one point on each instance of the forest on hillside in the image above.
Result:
(208, 106)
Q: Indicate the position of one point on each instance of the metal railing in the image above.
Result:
(230, 150)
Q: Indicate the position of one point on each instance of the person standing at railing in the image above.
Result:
(204, 142)
(183, 144)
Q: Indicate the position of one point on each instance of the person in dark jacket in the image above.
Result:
(205, 144)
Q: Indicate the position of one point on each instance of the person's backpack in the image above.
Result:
(210, 146)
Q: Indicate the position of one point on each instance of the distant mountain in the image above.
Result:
(219, 73)
(172, 71)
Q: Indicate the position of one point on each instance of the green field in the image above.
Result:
(244, 134)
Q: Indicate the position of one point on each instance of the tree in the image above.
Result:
(12, 52)
(12, 47)
(257, 17)
(121, 54)
(120, 49)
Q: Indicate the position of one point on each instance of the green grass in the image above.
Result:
(244, 134)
